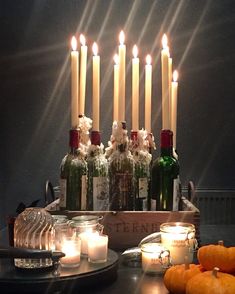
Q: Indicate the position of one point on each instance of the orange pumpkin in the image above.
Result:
(211, 282)
(211, 256)
(177, 276)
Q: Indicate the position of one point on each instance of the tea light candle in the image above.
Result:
(155, 258)
(97, 248)
(72, 249)
(85, 236)
(179, 238)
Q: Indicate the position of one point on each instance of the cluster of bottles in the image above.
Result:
(122, 177)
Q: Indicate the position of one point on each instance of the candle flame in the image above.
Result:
(121, 38)
(95, 48)
(82, 40)
(164, 41)
(135, 51)
(74, 43)
(175, 75)
(148, 59)
(116, 59)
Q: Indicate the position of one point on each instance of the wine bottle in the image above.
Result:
(142, 159)
(164, 177)
(121, 173)
(98, 188)
(73, 176)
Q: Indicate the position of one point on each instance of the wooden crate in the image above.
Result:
(127, 228)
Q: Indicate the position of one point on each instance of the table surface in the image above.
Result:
(133, 280)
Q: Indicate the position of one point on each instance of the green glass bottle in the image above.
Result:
(164, 177)
(121, 177)
(98, 187)
(73, 176)
(142, 160)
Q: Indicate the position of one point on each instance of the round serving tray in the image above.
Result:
(69, 280)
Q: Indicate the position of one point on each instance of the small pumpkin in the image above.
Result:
(211, 282)
(177, 276)
(211, 256)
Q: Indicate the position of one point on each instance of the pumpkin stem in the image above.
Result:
(186, 263)
(215, 271)
(221, 242)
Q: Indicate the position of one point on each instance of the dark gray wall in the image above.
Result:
(35, 84)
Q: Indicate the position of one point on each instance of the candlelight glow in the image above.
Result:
(116, 58)
(74, 43)
(148, 59)
(135, 51)
(95, 49)
(121, 38)
(82, 40)
(175, 75)
(164, 41)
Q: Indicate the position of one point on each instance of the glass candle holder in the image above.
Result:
(84, 227)
(71, 247)
(179, 238)
(155, 258)
(97, 248)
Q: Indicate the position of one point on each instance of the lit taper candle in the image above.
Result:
(115, 87)
(96, 89)
(122, 76)
(83, 68)
(74, 83)
(148, 93)
(174, 98)
(135, 89)
(165, 84)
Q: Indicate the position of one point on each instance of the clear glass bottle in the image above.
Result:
(73, 176)
(98, 186)
(121, 177)
(164, 177)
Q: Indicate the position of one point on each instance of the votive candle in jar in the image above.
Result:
(155, 258)
(98, 248)
(71, 247)
(179, 239)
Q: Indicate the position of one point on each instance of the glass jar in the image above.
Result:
(61, 230)
(85, 226)
(155, 258)
(33, 229)
(179, 238)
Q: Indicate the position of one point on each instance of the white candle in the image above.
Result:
(174, 98)
(148, 93)
(96, 89)
(98, 248)
(122, 76)
(165, 84)
(82, 87)
(74, 84)
(180, 241)
(155, 258)
(170, 80)
(84, 236)
(135, 90)
(115, 87)
(71, 247)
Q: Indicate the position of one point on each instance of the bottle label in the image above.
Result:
(84, 192)
(63, 194)
(143, 188)
(153, 204)
(176, 193)
(100, 193)
(125, 182)
(145, 204)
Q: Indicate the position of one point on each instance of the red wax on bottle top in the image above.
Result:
(166, 138)
(95, 138)
(74, 137)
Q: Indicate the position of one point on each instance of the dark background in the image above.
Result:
(35, 84)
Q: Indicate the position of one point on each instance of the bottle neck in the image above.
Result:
(166, 151)
(74, 137)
